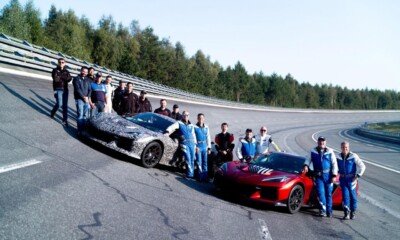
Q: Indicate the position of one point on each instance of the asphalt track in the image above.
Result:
(54, 186)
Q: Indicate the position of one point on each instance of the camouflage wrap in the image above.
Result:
(124, 136)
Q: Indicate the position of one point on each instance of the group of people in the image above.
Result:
(92, 95)
(327, 166)
(196, 146)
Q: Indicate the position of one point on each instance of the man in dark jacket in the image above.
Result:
(82, 93)
(144, 104)
(61, 78)
(175, 113)
(91, 74)
(163, 110)
(129, 102)
(224, 145)
(118, 94)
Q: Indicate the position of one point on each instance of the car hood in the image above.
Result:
(117, 125)
(251, 174)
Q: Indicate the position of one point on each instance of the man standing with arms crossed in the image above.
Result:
(324, 163)
(350, 169)
(61, 78)
(81, 94)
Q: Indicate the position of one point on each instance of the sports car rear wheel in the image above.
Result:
(295, 199)
(151, 154)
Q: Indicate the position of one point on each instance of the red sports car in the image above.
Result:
(275, 179)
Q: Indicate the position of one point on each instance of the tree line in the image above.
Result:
(140, 52)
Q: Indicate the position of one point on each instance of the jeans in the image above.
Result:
(99, 107)
(188, 150)
(324, 192)
(82, 111)
(202, 162)
(61, 97)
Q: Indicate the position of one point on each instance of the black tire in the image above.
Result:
(295, 200)
(152, 154)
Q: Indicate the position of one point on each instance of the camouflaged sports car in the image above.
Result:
(140, 137)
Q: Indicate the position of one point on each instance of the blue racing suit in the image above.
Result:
(203, 144)
(325, 167)
(350, 168)
(187, 143)
(247, 148)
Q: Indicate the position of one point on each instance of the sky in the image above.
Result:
(353, 44)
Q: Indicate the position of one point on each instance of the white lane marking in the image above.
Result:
(265, 235)
(379, 205)
(390, 168)
(285, 143)
(381, 166)
(26, 74)
(15, 166)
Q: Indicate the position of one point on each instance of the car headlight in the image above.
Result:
(276, 179)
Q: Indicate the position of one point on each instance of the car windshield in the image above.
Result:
(281, 162)
(152, 121)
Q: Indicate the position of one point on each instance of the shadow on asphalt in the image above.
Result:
(43, 107)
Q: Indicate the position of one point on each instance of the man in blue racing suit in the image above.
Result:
(187, 140)
(324, 163)
(350, 168)
(203, 146)
(247, 147)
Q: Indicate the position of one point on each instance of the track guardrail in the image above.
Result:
(24, 54)
(378, 135)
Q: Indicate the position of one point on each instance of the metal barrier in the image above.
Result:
(379, 135)
(24, 54)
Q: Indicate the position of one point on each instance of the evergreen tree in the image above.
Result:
(32, 15)
(13, 21)
(142, 53)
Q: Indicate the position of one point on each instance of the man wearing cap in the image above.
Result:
(350, 169)
(175, 113)
(129, 102)
(264, 141)
(324, 163)
(247, 147)
(144, 104)
(187, 140)
(163, 110)
(203, 146)
(98, 96)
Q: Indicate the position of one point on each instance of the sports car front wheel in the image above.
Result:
(295, 199)
(151, 154)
